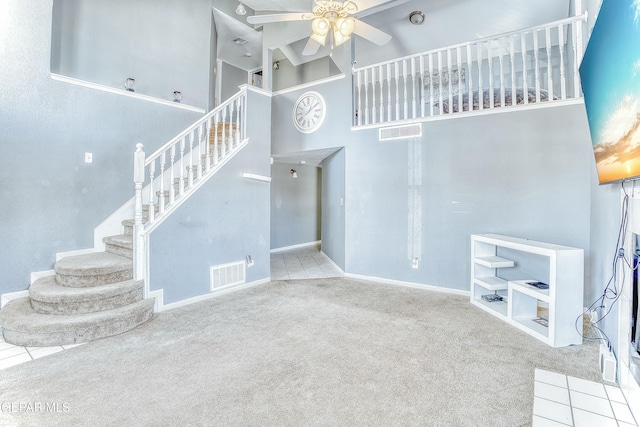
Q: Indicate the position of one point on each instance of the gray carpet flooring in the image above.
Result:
(290, 353)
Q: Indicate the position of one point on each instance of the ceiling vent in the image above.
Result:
(400, 132)
(239, 41)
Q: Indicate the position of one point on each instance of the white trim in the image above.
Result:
(5, 298)
(40, 274)
(61, 255)
(256, 177)
(310, 84)
(211, 295)
(123, 92)
(336, 266)
(292, 247)
(257, 90)
(409, 284)
(475, 113)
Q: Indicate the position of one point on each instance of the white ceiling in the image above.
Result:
(447, 22)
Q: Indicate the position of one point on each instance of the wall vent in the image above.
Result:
(400, 132)
(224, 275)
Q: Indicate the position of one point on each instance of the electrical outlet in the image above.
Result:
(88, 157)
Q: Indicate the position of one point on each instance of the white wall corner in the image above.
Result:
(39, 274)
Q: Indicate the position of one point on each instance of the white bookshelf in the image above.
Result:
(521, 301)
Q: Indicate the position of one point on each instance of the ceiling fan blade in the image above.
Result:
(371, 33)
(311, 48)
(279, 17)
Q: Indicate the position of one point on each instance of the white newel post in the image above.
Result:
(138, 229)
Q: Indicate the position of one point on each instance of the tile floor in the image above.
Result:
(302, 263)
(560, 400)
(11, 355)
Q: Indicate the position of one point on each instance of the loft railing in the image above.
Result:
(165, 179)
(535, 65)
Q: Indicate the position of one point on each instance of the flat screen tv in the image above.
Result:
(610, 75)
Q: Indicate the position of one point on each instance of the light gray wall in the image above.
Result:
(226, 220)
(296, 205)
(163, 44)
(526, 174)
(232, 79)
(333, 210)
(288, 75)
(51, 200)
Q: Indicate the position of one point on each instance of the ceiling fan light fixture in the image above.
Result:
(345, 26)
(339, 38)
(320, 26)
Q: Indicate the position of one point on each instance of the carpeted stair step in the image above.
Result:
(47, 297)
(23, 326)
(119, 245)
(94, 269)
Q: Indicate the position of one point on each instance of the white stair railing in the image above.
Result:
(165, 179)
(538, 64)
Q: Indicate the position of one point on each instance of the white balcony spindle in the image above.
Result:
(512, 57)
(449, 80)
(381, 108)
(359, 101)
(439, 74)
(536, 66)
(480, 87)
(549, 65)
(366, 98)
(431, 86)
(525, 77)
(397, 81)
(414, 105)
(190, 167)
(405, 74)
(374, 105)
(470, 77)
(389, 102)
(491, 77)
(421, 80)
(459, 69)
(501, 62)
(577, 56)
(563, 75)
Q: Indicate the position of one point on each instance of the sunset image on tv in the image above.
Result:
(610, 75)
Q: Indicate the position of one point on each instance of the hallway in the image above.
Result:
(302, 263)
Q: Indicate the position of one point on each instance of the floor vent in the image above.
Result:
(230, 274)
(400, 132)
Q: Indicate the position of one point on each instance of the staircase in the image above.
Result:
(100, 294)
(91, 296)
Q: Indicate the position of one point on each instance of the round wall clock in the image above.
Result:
(309, 112)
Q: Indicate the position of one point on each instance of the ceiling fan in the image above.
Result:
(329, 19)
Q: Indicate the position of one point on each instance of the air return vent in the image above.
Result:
(229, 274)
(400, 132)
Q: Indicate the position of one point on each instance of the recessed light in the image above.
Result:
(416, 17)
(248, 55)
(239, 41)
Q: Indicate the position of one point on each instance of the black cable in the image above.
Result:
(611, 293)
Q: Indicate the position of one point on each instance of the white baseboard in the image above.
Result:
(40, 274)
(336, 266)
(61, 255)
(161, 307)
(5, 298)
(293, 247)
(409, 284)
